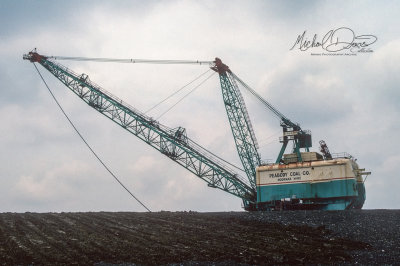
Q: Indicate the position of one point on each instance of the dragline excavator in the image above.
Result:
(297, 180)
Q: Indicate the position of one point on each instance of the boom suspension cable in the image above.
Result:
(132, 61)
(234, 166)
(86, 143)
(187, 94)
(261, 99)
(177, 91)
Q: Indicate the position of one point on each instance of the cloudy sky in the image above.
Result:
(351, 102)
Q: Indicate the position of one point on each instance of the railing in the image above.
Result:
(341, 155)
(267, 162)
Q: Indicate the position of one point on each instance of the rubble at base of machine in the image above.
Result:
(190, 238)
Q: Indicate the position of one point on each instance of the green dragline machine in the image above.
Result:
(300, 179)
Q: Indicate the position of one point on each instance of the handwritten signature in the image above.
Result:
(336, 40)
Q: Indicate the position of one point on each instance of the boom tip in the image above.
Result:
(33, 56)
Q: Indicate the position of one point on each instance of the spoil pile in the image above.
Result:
(192, 238)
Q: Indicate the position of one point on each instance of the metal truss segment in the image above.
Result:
(171, 142)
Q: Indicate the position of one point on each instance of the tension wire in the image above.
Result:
(86, 143)
(187, 94)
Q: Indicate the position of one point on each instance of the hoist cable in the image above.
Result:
(270, 136)
(133, 61)
(234, 166)
(231, 164)
(86, 143)
(261, 99)
(177, 91)
(187, 94)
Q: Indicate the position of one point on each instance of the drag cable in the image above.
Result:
(87, 144)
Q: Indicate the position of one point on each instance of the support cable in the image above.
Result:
(270, 136)
(261, 99)
(187, 94)
(236, 167)
(132, 61)
(87, 144)
(177, 91)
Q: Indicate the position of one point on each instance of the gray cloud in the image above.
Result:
(350, 102)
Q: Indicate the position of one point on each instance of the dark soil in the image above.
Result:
(190, 238)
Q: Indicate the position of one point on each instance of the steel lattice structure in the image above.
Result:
(242, 130)
(172, 142)
(308, 184)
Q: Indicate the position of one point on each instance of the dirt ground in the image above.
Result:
(191, 238)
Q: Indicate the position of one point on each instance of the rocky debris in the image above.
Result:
(190, 238)
(379, 228)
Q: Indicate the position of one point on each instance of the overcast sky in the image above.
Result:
(351, 102)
